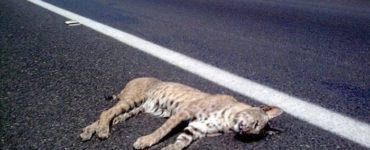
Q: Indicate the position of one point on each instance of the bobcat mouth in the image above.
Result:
(243, 129)
(242, 133)
(245, 132)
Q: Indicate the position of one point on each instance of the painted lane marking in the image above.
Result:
(331, 121)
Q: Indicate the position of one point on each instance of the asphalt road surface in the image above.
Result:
(54, 77)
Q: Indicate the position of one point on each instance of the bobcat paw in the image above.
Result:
(88, 131)
(103, 132)
(143, 142)
(85, 136)
(117, 120)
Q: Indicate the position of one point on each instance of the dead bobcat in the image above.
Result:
(208, 114)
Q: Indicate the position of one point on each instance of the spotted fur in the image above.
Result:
(208, 114)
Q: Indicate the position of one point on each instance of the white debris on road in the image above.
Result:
(72, 23)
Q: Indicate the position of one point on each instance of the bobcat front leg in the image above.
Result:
(182, 141)
(153, 138)
(194, 131)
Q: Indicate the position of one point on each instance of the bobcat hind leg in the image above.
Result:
(131, 97)
(123, 117)
(103, 131)
(88, 131)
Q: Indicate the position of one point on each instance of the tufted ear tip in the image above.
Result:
(272, 111)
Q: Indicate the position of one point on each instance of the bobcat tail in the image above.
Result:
(110, 97)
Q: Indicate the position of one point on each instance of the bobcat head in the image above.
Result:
(252, 120)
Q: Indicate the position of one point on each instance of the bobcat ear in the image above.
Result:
(272, 111)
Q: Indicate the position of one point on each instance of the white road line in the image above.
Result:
(336, 123)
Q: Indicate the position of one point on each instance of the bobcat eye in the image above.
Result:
(256, 125)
